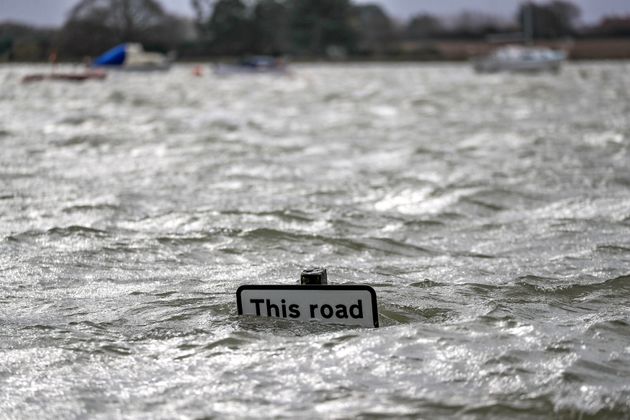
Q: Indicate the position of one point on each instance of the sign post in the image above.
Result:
(313, 300)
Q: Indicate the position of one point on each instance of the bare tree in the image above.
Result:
(203, 9)
(128, 18)
(96, 25)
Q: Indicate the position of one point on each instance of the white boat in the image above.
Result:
(132, 57)
(520, 59)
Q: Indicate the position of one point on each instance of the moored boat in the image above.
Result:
(520, 59)
(68, 77)
(132, 57)
(254, 65)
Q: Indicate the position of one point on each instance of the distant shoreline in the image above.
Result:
(437, 51)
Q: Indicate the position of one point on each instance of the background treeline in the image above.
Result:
(298, 28)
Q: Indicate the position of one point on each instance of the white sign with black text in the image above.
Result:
(335, 304)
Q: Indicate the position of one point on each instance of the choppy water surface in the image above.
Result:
(490, 213)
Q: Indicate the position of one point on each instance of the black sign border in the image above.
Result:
(361, 287)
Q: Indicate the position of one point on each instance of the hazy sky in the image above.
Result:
(53, 12)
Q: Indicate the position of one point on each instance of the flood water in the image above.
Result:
(490, 213)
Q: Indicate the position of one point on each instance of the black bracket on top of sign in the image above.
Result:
(314, 275)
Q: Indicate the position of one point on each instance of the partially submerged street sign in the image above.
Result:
(353, 305)
(348, 305)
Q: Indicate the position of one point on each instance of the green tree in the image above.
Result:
(271, 27)
(422, 27)
(375, 29)
(230, 28)
(320, 24)
(25, 43)
(552, 20)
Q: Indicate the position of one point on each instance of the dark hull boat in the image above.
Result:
(254, 65)
(67, 77)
